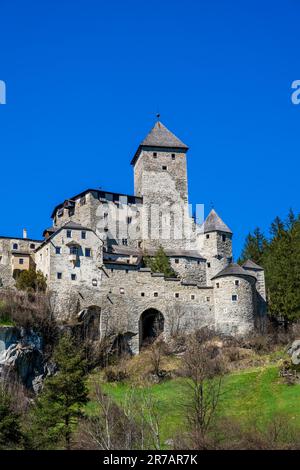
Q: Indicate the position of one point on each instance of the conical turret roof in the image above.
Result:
(233, 269)
(160, 136)
(249, 264)
(214, 223)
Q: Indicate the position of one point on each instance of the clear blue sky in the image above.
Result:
(86, 78)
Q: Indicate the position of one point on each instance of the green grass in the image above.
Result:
(6, 322)
(249, 394)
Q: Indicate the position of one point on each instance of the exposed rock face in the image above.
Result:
(21, 352)
(294, 352)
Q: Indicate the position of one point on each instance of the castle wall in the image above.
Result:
(81, 212)
(260, 304)
(82, 289)
(125, 296)
(162, 181)
(115, 218)
(216, 247)
(190, 269)
(11, 251)
(234, 317)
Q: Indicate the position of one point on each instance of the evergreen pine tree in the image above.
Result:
(254, 247)
(10, 429)
(281, 262)
(160, 263)
(58, 407)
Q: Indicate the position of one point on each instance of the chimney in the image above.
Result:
(24, 233)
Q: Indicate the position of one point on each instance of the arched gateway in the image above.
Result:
(151, 325)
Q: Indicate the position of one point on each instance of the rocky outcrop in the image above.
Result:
(294, 352)
(21, 352)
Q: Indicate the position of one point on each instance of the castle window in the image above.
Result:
(129, 220)
(217, 285)
(164, 167)
(88, 252)
(73, 277)
(176, 295)
(154, 154)
(207, 235)
(208, 265)
(237, 282)
(59, 275)
(105, 229)
(57, 250)
(142, 294)
(71, 211)
(207, 299)
(83, 235)
(192, 297)
(234, 298)
(223, 238)
(21, 261)
(176, 260)
(122, 290)
(155, 294)
(111, 270)
(198, 262)
(69, 233)
(173, 156)
(15, 246)
(32, 246)
(105, 215)
(94, 282)
(124, 241)
(74, 250)
(126, 270)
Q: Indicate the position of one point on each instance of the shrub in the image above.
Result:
(30, 312)
(5, 313)
(115, 374)
(31, 280)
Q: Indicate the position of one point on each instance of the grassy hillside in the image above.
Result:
(250, 394)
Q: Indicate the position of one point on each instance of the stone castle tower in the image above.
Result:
(160, 178)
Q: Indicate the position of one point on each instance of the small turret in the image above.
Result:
(259, 273)
(234, 300)
(216, 241)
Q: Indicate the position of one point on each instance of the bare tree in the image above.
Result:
(134, 424)
(157, 350)
(204, 370)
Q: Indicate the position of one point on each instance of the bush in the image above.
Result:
(115, 374)
(31, 280)
(5, 313)
(29, 311)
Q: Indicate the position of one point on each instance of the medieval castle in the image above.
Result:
(93, 256)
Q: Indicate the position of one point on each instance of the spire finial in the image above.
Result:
(158, 116)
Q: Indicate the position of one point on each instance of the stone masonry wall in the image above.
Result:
(234, 317)
(162, 181)
(7, 253)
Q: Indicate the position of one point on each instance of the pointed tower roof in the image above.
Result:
(249, 264)
(233, 269)
(214, 223)
(160, 136)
